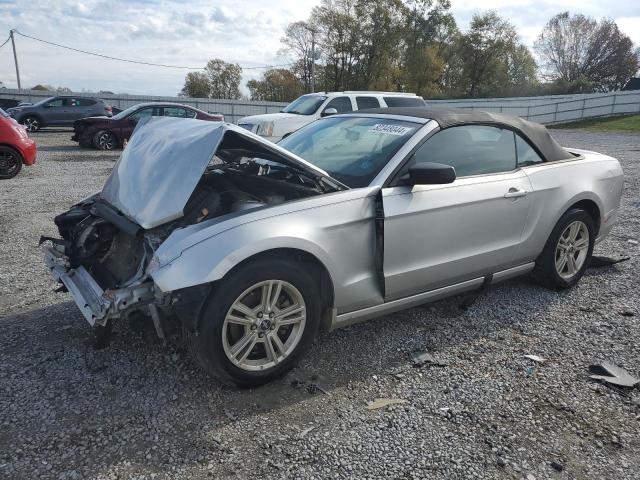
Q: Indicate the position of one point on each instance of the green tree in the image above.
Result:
(579, 49)
(196, 84)
(224, 79)
(276, 85)
(491, 58)
(429, 30)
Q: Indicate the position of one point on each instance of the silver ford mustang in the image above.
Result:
(246, 249)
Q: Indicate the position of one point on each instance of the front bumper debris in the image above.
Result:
(96, 305)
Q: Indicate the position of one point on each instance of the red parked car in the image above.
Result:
(16, 147)
(107, 133)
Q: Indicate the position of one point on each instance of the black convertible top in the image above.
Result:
(535, 133)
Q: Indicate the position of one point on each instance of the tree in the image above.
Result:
(196, 84)
(579, 49)
(297, 40)
(429, 30)
(276, 85)
(224, 79)
(44, 88)
(491, 59)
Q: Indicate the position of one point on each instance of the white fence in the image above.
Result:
(548, 109)
(233, 110)
(554, 108)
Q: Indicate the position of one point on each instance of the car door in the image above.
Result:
(341, 104)
(71, 111)
(53, 111)
(127, 125)
(88, 108)
(437, 235)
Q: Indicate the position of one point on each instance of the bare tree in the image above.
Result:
(580, 49)
(297, 40)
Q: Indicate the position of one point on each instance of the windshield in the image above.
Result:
(350, 149)
(305, 105)
(3, 113)
(126, 112)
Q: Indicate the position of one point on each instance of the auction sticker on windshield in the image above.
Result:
(390, 129)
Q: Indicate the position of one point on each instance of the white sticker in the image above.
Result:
(390, 129)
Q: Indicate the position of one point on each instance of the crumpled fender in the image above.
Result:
(337, 229)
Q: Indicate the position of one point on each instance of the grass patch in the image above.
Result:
(627, 123)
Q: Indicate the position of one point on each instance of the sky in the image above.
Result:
(190, 32)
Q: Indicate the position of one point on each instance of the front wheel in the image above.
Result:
(567, 252)
(104, 140)
(258, 322)
(32, 124)
(10, 162)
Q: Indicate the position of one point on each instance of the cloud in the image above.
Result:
(181, 32)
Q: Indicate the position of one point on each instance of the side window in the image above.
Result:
(341, 104)
(85, 102)
(71, 102)
(471, 150)
(367, 102)
(175, 112)
(57, 102)
(145, 112)
(526, 154)
(403, 101)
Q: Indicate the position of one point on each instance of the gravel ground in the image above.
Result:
(142, 410)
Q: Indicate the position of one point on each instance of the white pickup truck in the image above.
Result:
(307, 108)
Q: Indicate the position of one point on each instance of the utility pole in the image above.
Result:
(313, 61)
(15, 58)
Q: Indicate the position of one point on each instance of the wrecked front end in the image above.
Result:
(173, 176)
(101, 260)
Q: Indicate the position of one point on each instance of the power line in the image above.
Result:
(132, 61)
(6, 41)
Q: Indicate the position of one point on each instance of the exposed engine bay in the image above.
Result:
(116, 251)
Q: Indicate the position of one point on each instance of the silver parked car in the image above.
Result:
(248, 248)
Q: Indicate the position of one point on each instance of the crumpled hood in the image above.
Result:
(163, 162)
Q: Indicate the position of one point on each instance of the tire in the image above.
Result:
(32, 123)
(219, 336)
(10, 162)
(104, 140)
(550, 270)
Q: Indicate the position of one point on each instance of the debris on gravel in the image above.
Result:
(151, 414)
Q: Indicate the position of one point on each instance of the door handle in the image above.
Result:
(515, 193)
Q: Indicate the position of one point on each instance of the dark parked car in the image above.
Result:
(109, 133)
(58, 111)
(7, 103)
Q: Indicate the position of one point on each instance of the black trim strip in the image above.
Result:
(379, 253)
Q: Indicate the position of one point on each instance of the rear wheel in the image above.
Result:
(568, 250)
(258, 322)
(32, 124)
(104, 140)
(10, 162)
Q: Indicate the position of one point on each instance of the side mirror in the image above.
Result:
(328, 111)
(430, 174)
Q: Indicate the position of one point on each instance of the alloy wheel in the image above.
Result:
(32, 124)
(264, 325)
(106, 141)
(572, 249)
